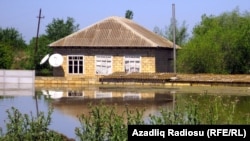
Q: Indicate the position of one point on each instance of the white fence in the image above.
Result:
(17, 82)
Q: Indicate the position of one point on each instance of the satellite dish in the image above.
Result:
(56, 60)
(45, 58)
(44, 92)
(55, 94)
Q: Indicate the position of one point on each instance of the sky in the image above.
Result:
(23, 14)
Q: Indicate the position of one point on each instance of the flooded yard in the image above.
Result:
(69, 102)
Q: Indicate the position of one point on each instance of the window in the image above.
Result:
(75, 94)
(99, 94)
(132, 64)
(131, 96)
(75, 64)
(103, 64)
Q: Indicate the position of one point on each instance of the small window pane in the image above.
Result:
(75, 64)
(132, 64)
(80, 70)
(75, 69)
(80, 63)
(103, 64)
(70, 69)
(70, 63)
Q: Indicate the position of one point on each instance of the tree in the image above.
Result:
(12, 45)
(181, 34)
(55, 30)
(129, 14)
(60, 28)
(6, 56)
(220, 44)
(42, 50)
(12, 37)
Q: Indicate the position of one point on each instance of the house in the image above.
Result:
(115, 44)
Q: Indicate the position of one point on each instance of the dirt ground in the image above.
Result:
(238, 84)
(214, 77)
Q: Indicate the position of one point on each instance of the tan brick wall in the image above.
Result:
(118, 64)
(89, 65)
(149, 63)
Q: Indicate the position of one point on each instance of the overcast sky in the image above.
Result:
(22, 14)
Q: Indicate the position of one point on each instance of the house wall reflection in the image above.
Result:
(79, 100)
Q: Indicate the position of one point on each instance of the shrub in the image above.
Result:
(23, 127)
(104, 123)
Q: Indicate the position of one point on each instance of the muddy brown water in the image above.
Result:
(70, 102)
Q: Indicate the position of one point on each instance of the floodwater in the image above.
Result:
(69, 102)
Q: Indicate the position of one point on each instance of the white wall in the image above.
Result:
(17, 82)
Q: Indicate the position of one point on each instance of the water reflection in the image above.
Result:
(77, 101)
(72, 101)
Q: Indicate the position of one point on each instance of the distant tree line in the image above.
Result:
(219, 44)
(11, 47)
(16, 54)
(181, 33)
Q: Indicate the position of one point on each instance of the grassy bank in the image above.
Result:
(106, 123)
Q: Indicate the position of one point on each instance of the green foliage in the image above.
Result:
(22, 57)
(216, 110)
(36, 57)
(220, 44)
(200, 57)
(6, 56)
(181, 35)
(23, 127)
(44, 72)
(11, 47)
(12, 37)
(129, 14)
(104, 123)
(60, 28)
(36, 51)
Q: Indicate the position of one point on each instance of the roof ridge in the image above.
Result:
(131, 29)
(88, 36)
(85, 28)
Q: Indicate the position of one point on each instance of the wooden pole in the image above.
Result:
(174, 47)
(37, 33)
(35, 52)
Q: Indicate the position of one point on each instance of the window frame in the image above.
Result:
(128, 96)
(78, 65)
(132, 58)
(74, 93)
(108, 63)
(103, 95)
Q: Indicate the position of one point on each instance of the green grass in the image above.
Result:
(106, 123)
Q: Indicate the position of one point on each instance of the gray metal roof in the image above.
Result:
(113, 32)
